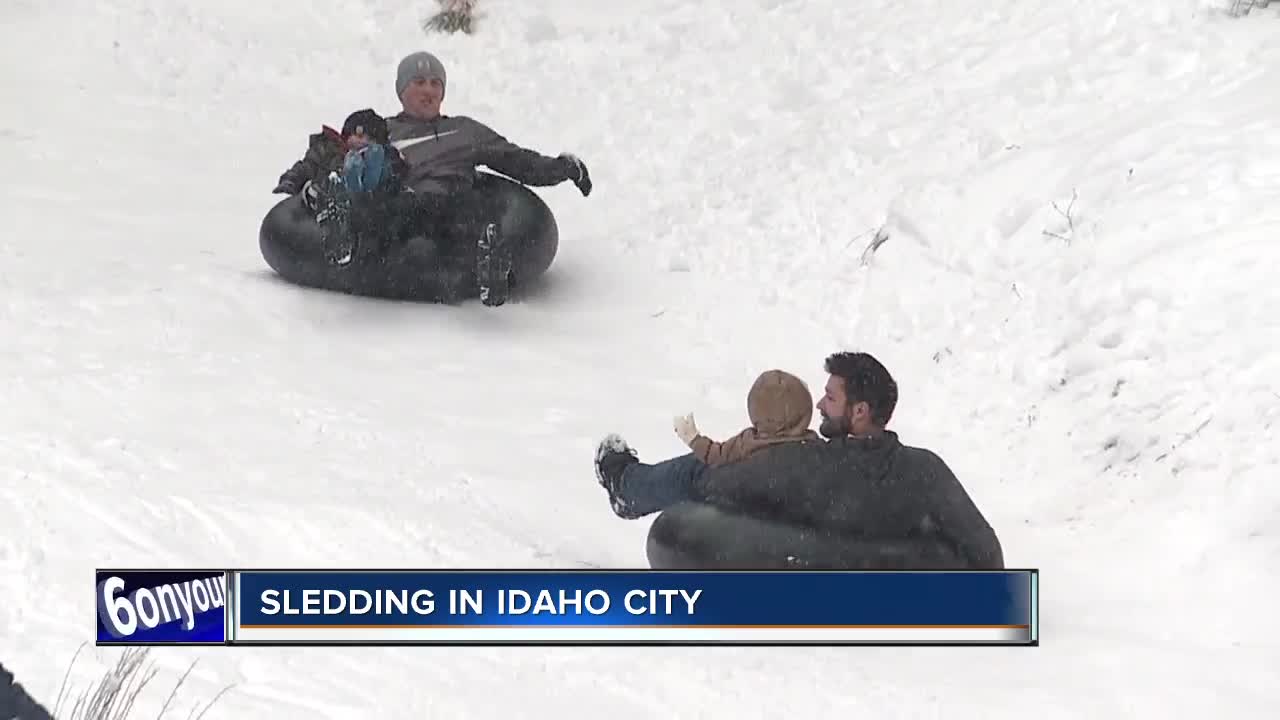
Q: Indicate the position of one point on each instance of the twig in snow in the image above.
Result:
(1071, 223)
(862, 234)
(1067, 213)
(1186, 438)
(881, 237)
(1191, 435)
(215, 699)
(1015, 291)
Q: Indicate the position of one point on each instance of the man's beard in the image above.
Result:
(834, 427)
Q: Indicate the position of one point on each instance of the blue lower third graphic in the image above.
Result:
(632, 607)
(151, 607)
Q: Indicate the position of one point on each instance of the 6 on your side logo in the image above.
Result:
(161, 605)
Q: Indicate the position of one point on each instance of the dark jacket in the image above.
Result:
(325, 153)
(16, 703)
(442, 155)
(861, 488)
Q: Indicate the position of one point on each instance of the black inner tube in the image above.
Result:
(869, 504)
(417, 266)
(698, 536)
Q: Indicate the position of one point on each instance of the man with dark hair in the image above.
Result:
(902, 505)
(860, 396)
(915, 493)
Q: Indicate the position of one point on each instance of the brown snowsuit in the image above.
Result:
(780, 408)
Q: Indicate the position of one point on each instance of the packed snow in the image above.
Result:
(1079, 207)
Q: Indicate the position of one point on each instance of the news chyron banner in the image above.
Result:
(577, 607)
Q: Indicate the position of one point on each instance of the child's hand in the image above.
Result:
(685, 428)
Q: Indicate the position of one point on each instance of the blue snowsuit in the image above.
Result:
(363, 170)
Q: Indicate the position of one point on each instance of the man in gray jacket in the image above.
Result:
(442, 153)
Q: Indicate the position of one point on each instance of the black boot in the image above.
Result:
(493, 266)
(613, 457)
(334, 218)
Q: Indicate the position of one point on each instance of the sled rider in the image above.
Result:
(862, 482)
(442, 153)
(434, 160)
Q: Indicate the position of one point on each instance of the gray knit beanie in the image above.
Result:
(419, 64)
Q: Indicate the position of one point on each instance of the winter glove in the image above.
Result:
(685, 428)
(577, 172)
(286, 187)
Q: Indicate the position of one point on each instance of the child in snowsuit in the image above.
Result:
(328, 150)
(346, 178)
(780, 408)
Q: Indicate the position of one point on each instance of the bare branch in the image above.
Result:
(862, 234)
(882, 236)
(214, 700)
(1071, 223)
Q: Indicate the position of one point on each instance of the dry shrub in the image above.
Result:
(454, 16)
(113, 697)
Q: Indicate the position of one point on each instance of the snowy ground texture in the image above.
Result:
(1108, 388)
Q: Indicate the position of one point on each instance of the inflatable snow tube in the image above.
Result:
(412, 270)
(698, 536)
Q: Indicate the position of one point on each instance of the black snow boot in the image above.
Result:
(613, 457)
(334, 217)
(493, 266)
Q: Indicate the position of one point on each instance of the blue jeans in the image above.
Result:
(645, 488)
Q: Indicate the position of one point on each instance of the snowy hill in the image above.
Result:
(1106, 386)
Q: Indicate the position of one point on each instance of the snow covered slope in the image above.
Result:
(1106, 386)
